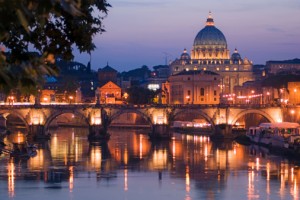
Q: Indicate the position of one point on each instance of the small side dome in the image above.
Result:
(236, 57)
(185, 55)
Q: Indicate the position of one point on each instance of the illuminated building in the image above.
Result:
(192, 87)
(294, 89)
(210, 52)
(285, 66)
(109, 93)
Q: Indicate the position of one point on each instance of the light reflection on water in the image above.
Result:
(130, 166)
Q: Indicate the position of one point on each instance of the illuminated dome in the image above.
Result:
(210, 37)
(235, 57)
(210, 42)
(185, 55)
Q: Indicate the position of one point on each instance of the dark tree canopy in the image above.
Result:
(48, 27)
(280, 81)
(140, 95)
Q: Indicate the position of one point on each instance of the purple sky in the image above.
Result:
(146, 32)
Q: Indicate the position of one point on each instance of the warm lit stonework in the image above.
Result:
(210, 53)
(193, 87)
(294, 90)
(109, 93)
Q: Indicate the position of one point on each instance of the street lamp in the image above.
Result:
(71, 98)
(125, 96)
(268, 97)
(188, 98)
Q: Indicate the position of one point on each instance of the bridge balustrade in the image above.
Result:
(214, 113)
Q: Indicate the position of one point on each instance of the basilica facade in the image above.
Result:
(210, 53)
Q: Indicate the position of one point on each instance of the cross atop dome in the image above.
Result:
(210, 20)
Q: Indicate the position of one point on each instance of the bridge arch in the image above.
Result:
(138, 112)
(198, 112)
(5, 113)
(253, 111)
(61, 112)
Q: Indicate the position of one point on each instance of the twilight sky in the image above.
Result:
(147, 32)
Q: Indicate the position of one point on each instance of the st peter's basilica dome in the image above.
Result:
(210, 43)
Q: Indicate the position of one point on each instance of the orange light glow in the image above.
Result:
(11, 179)
(71, 178)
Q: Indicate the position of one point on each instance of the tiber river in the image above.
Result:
(130, 167)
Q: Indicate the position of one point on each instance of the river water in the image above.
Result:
(131, 167)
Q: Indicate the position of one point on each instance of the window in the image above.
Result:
(188, 78)
(215, 92)
(215, 99)
(202, 91)
(189, 92)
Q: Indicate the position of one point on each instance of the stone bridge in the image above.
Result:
(37, 118)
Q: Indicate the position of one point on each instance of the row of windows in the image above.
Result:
(202, 92)
(189, 78)
(227, 68)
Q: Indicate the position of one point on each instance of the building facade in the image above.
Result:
(210, 52)
(294, 90)
(109, 93)
(192, 87)
(285, 66)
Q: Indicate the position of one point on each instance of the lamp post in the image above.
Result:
(71, 98)
(125, 95)
(268, 97)
(188, 99)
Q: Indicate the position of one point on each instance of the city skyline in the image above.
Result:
(153, 32)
